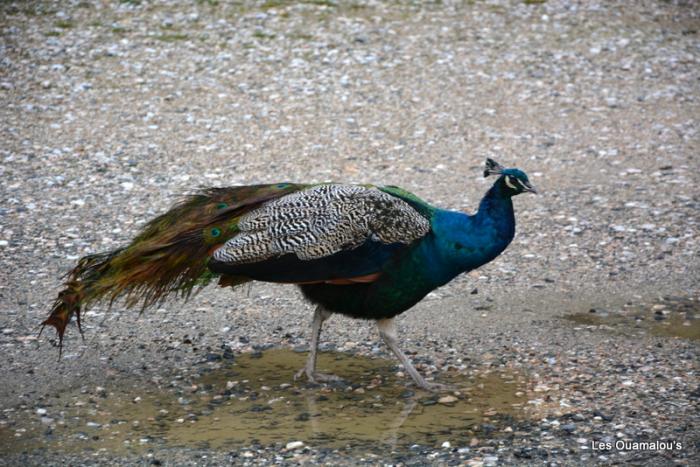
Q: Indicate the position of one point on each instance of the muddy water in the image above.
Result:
(254, 400)
(675, 317)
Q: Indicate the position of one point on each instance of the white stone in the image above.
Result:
(447, 400)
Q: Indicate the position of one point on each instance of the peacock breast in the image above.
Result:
(464, 242)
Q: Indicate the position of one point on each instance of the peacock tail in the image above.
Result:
(169, 256)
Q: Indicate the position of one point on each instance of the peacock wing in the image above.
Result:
(324, 232)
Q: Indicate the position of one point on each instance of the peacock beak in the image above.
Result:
(528, 187)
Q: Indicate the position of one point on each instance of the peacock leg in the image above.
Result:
(387, 330)
(320, 315)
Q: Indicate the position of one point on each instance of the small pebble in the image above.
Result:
(447, 400)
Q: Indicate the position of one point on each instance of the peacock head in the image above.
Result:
(514, 181)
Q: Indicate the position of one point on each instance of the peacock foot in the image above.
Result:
(315, 377)
(437, 387)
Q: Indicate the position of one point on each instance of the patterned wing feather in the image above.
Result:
(321, 221)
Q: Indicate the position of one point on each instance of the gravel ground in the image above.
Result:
(111, 110)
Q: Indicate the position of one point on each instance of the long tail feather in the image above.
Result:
(169, 257)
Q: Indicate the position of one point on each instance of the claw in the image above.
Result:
(315, 377)
(300, 373)
(327, 378)
(438, 387)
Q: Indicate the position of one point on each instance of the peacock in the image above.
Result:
(364, 251)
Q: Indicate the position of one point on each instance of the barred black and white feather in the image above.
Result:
(320, 221)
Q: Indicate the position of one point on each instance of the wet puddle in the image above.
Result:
(671, 317)
(253, 399)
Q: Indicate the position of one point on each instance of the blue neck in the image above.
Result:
(496, 208)
(460, 243)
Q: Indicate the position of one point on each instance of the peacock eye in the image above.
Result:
(215, 232)
(509, 183)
